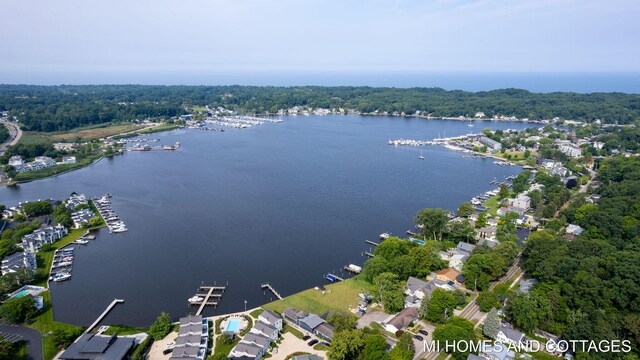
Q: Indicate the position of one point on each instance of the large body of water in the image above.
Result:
(283, 203)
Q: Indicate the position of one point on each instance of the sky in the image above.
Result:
(156, 41)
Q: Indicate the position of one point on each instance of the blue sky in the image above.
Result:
(95, 40)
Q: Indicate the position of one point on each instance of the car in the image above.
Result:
(312, 342)
(306, 337)
(326, 344)
(424, 332)
(418, 337)
(167, 351)
(171, 344)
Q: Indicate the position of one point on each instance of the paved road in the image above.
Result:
(15, 333)
(14, 131)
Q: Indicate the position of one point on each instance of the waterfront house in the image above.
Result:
(193, 338)
(76, 200)
(98, 347)
(310, 322)
(498, 353)
(490, 143)
(271, 318)
(265, 329)
(415, 289)
(521, 202)
(47, 235)
(512, 337)
(258, 340)
(16, 160)
(402, 320)
(82, 217)
(68, 159)
(17, 261)
(294, 315)
(245, 351)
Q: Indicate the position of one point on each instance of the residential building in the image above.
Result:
(266, 330)
(570, 150)
(490, 143)
(417, 290)
(17, 261)
(47, 235)
(572, 231)
(521, 202)
(310, 322)
(271, 318)
(512, 337)
(76, 200)
(98, 347)
(498, 353)
(68, 159)
(246, 351)
(448, 275)
(193, 338)
(16, 160)
(402, 320)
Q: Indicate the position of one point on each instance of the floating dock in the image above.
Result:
(270, 288)
(207, 297)
(333, 278)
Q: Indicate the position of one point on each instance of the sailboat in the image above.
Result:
(470, 124)
(421, 157)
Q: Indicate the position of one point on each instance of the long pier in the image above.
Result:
(207, 296)
(369, 254)
(104, 313)
(372, 242)
(270, 288)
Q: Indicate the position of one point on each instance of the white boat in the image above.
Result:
(384, 236)
(195, 299)
(81, 242)
(61, 277)
(119, 229)
(421, 157)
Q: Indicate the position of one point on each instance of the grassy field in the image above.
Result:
(93, 133)
(123, 330)
(57, 169)
(492, 204)
(29, 138)
(156, 129)
(339, 296)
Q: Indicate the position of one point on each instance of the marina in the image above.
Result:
(114, 224)
(62, 264)
(201, 300)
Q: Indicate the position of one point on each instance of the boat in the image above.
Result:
(384, 236)
(61, 277)
(81, 242)
(119, 229)
(421, 157)
(195, 299)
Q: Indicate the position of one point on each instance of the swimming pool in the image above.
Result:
(233, 325)
(21, 294)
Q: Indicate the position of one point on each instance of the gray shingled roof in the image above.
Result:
(270, 316)
(312, 320)
(415, 284)
(511, 333)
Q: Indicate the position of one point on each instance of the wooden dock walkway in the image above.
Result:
(104, 313)
(207, 296)
(371, 242)
(369, 254)
(270, 288)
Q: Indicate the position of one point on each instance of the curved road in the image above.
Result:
(33, 338)
(14, 131)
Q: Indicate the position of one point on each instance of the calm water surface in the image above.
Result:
(283, 203)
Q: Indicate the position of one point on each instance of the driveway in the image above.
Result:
(372, 317)
(291, 344)
(33, 338)
(155, 353)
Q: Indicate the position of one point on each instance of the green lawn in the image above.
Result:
(255, 313)
(339, 296)
(492, 204)
(123, 330)
(292, 330)
(45, 258)
(57, 169)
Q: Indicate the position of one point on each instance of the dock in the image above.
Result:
(333, 278)
(270, 288)
(104, 313)
(210, 294)
(409, 232)
(369, 254)
(372, 242)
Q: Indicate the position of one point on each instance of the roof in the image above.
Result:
(247, 348)
(193, 328)
(294, 313)
(312, 320)
(511, 333)
(196, 319)
(186, 351)
(326, 329)
(404, 318)
(415, 284)
(465, 246)
(90, 346)
(448, 273)
(270, 316)
(306, 357)
(264, 328)
(474, 357)
(500, 352)
(189, 339)
(257, 339)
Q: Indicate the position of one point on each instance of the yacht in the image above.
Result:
(61, 277)
(195, 299)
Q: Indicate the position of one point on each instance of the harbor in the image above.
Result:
(205, 299)
(110, 217)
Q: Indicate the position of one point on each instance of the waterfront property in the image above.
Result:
(401, 320)
(17, 261)
(193, 338)
(98, 347)
(311, 323)
(256, 343)
(45, 235)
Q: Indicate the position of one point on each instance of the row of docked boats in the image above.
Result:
(478, 200)
(114, 224)
(62, 264)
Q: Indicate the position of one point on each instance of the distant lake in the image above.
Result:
(284, 203)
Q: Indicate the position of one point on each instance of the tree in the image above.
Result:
(18, 310)
(433, 222)
(374, 267)
(346, 345)
(161, 327)
(465, 209)
(392, 248)
(487, 300)
(375, 348)
(491, 325)
(388, 291)
(526, 312)
(62, 338)
(482, 220)
(440, 306)
(503, 192)
(37, 208)
(455, 330)
(342, 320)
(404, 349)
(425, 260)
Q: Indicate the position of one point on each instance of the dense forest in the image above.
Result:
(55, 108)
(590, 287)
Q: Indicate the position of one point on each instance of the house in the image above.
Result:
(402, 320)
(416, 290)
(490, 143)
(512, 337)
(47, 235)
(497, 352)
(521, 202)
(572, 231)
(17, 261)
(16, 160)
(479, 114)
(245, 351)
(68, 159)
(490, 243)
(457, 260)
(447, 275)
(271, 318)
(258, 340)
(193, 338)
(316, 325)
(266, 330)
(76, 200)
(98, 347)
(570, 150)
(82, 217)
(294, 315)
(465, 247)
(325, 331)
(527, 285)
(474, 357)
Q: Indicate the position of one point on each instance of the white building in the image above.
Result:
(48, 235)
(16, 160)
(570, 150)
(521, 202)
(68, 159)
